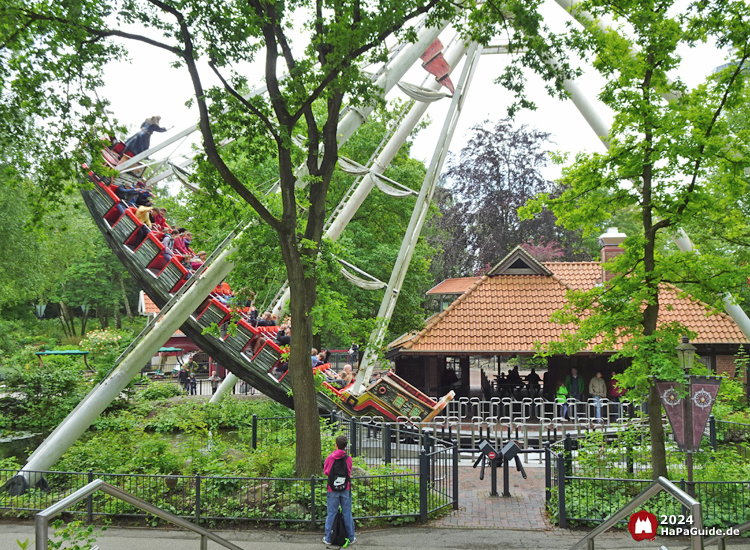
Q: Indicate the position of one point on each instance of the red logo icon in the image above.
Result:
(642, 526)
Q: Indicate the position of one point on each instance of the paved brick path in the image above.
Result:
(477, 509)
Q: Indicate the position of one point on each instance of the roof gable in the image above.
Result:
(519, 262)
(511, 313)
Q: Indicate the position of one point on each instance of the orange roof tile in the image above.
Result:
(509, 313)
(453, 286)
(149, 306)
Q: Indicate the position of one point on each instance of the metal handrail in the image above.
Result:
(661, 484)
(41, 523)
(720, 538)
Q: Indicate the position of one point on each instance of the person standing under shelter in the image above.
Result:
(598, 390)
(338, 468)
(615, 393)
(574, 385)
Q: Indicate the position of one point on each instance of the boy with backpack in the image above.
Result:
(338, 468)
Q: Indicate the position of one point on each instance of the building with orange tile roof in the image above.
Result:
(507, 312)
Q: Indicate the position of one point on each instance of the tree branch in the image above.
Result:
(717, 113)
(334, 73)
(209, 143)
(105, 33)
(249, 106)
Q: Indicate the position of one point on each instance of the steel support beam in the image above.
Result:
(366, 185)
(418, 217)
(226, 385)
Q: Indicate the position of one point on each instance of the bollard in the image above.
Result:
(254, 438)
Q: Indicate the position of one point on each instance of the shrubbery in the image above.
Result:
(38, 397)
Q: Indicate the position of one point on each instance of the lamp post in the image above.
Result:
(686, 356)
(688, 403)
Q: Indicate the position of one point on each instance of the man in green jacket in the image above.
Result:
(574, 385)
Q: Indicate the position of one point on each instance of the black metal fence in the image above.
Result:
(580, 490)
(404, 484)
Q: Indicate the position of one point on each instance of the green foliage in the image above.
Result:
(105, 346)
(40, 396)
(155, 391)
(75, 535)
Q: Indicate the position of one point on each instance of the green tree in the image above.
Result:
(664, 145)
(53, 56)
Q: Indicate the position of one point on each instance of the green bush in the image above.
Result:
(39, 397)
(157, 390)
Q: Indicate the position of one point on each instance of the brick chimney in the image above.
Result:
(610, 243)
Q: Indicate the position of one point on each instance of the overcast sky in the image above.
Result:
(162, 90)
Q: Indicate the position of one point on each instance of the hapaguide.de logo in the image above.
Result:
(642, 526)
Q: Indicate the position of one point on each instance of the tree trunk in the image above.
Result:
(84, 321)
(118, 319)
(66, 316)
(302, 299)
(128, 311)
(656, 430)
(102, 316)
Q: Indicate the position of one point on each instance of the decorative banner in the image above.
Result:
(669, 394)
(703, 391)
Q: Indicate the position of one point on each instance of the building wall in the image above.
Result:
(725, 366)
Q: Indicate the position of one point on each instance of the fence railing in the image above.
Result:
(531, 410)
(418, 475)
(572, 496)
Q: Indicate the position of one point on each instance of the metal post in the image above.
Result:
(526, 443)
(506, 479)
(90, 502)
(455, 474)
(254, 438)
(547, 472)
(312, 502)
(41, 532)
(424, 472)
(197, 499)
(353, 424)
(563, 520)
(712, 431)
(566, 455)
(204, 542)
(387, 444)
